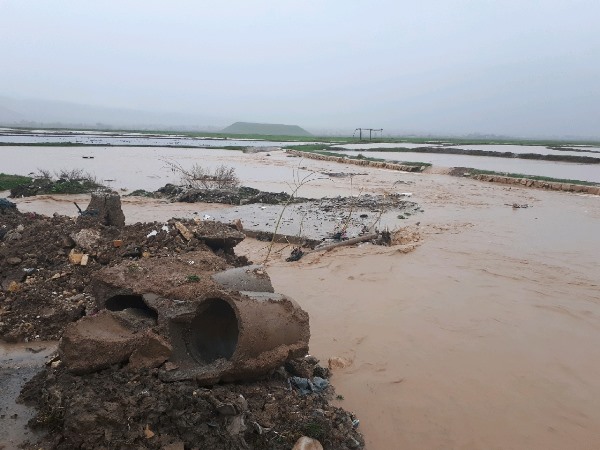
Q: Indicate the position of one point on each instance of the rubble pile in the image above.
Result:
(151, 318)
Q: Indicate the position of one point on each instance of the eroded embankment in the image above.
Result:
(527, 182)
(358, 162)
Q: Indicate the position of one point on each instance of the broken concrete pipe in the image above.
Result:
(223, 329)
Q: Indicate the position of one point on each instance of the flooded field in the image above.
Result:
(501, 148)
(482, 336)
(137, 167)
(555, 169)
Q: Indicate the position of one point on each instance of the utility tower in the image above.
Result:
(370, 130)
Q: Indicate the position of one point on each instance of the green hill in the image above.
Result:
(273, 129)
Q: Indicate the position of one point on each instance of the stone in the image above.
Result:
(337, 362)
(306, 443)
(96, 342)
(75, 257)
(86, 238)
(14, 261)
(14, 286)
(152, 353)
(187, 234)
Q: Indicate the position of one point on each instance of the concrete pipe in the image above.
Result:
(218, 327)
(234, 337)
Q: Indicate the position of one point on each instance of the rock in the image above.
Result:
(216, 236)
(107, 208)
(248, 278)
(237, 224)
(14, 261)
(84, 260)
(152, 353)
(187, 234)
(302, 367)
(148, 433)
(306, 443)
(14, 286)
(75, 257)
(7, 205)
(97, 342)
(13, 235)
(236, 425)
(337, 362)
(86, 238)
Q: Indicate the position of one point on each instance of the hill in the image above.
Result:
(272, 129)
(37, 112)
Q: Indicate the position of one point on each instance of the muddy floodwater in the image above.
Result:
(18, 364)
(554, 169)
(8, 136)
(482, 335)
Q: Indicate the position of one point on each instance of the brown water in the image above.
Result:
(18, 363)
(485, 336)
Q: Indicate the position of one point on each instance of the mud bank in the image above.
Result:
(358, 162)
(527, 182)
(550, 185)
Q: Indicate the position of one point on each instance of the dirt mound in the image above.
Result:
(241, 196)
(45, 282)
(117, 408)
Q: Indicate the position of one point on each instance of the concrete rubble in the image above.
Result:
(205, 323)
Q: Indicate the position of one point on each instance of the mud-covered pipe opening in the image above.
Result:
(132, 303)
(213, 332)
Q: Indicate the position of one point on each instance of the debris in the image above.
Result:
(107, 208)
(117, 243)
(75, 257)
(337, 362)
(86, 238)
(187, 234)
(308, 386)
(356, 240)
(14, 286)
(518, 206)
(148, 432)
(14, 261)
(296, 254)
(84, 260)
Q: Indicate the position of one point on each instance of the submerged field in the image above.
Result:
(478, 331)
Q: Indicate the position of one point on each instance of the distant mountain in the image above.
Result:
(34, 112)
(273, 129)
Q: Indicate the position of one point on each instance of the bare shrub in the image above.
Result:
(44, 174)
(222, 178)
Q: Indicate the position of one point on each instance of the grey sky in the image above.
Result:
(456, 66)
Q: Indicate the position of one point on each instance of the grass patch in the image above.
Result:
(8, 182)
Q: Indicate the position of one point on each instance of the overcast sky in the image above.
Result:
(518, 67)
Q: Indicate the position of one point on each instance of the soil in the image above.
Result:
(117, 408)
(42, 290)
(241, 196)
(120, 407)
